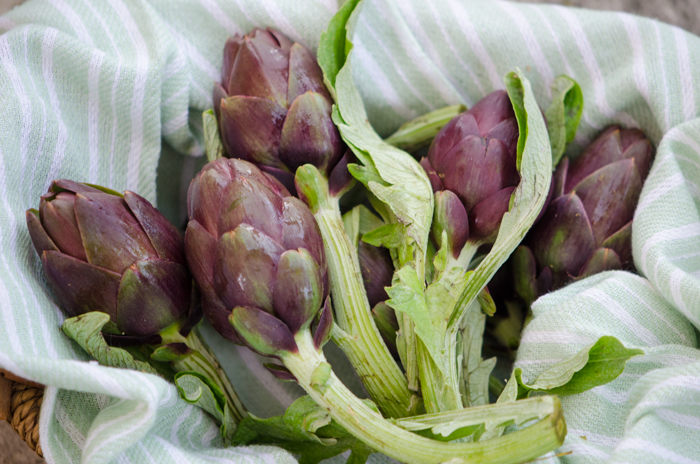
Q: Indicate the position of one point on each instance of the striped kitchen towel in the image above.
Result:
(112, 92)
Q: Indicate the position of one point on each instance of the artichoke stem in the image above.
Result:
(366, 424)
(207, 364)
(440, 393)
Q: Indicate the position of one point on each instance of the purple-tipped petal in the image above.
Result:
(459, 128)
(251, 128)
(300, 230)
(610, 196)
(325, 325)
(79, 286)
(58, 218)
(605, 149)
(642, 152)
(261, 70)
(450, 216)
(340, 179)
(152, 295)
(164, 236)
(280, 372)
(491, 110)
(602, 259)
(112, 236)
(506, 131)
(60, 185)
(40, 239)
(218, 317)
(304, 74)
(435, 181)
(309, 135)
(205, 191)
(377, 270)
(474, 171)
(245, 268)
(282, 40)
(247, 201)
(298, 291)
(233, 44)
(485, 218)
(621, 243)
(200, 248)
(285, 178)
(563, 239)
(262, 332)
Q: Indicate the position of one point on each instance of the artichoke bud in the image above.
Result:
(450, 216)
(257, 255)
(474, 158)
(273, 107)
(587, 226)
(103, 251)
(324, 328)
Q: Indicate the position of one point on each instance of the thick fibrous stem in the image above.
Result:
(204, 362)
(363, 345)
(368, 425)
(355, 332)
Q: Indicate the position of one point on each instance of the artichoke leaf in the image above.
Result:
(563, 115)
(534, 163)
(212, 140)
(86, 330)
(200, 391)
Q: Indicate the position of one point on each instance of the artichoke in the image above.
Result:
(273, 107)
(103, 251)
(256, 251)
(471, 165)
(587, 227)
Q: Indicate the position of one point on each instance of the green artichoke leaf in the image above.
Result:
(474, 380)
(86, 330)
(391, 174)
(212, 140)
(595, 365)
(359, 221)
(563, 115)
(305, 429)
(534, 163)
(198, 390)
(429, 309)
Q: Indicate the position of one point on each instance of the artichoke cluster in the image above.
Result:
(587, 227)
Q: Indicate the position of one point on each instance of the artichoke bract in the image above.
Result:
(587, 227)
(471, 165)
(273, 107)
(255, 251)
(103, 251)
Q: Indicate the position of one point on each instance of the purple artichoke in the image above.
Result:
(256, 252)
(102, 251)
(273, 107)
(471, 165)
(587, 227)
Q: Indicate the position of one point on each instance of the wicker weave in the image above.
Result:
(24, 407)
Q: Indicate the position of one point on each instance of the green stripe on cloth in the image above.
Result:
(112, 92)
